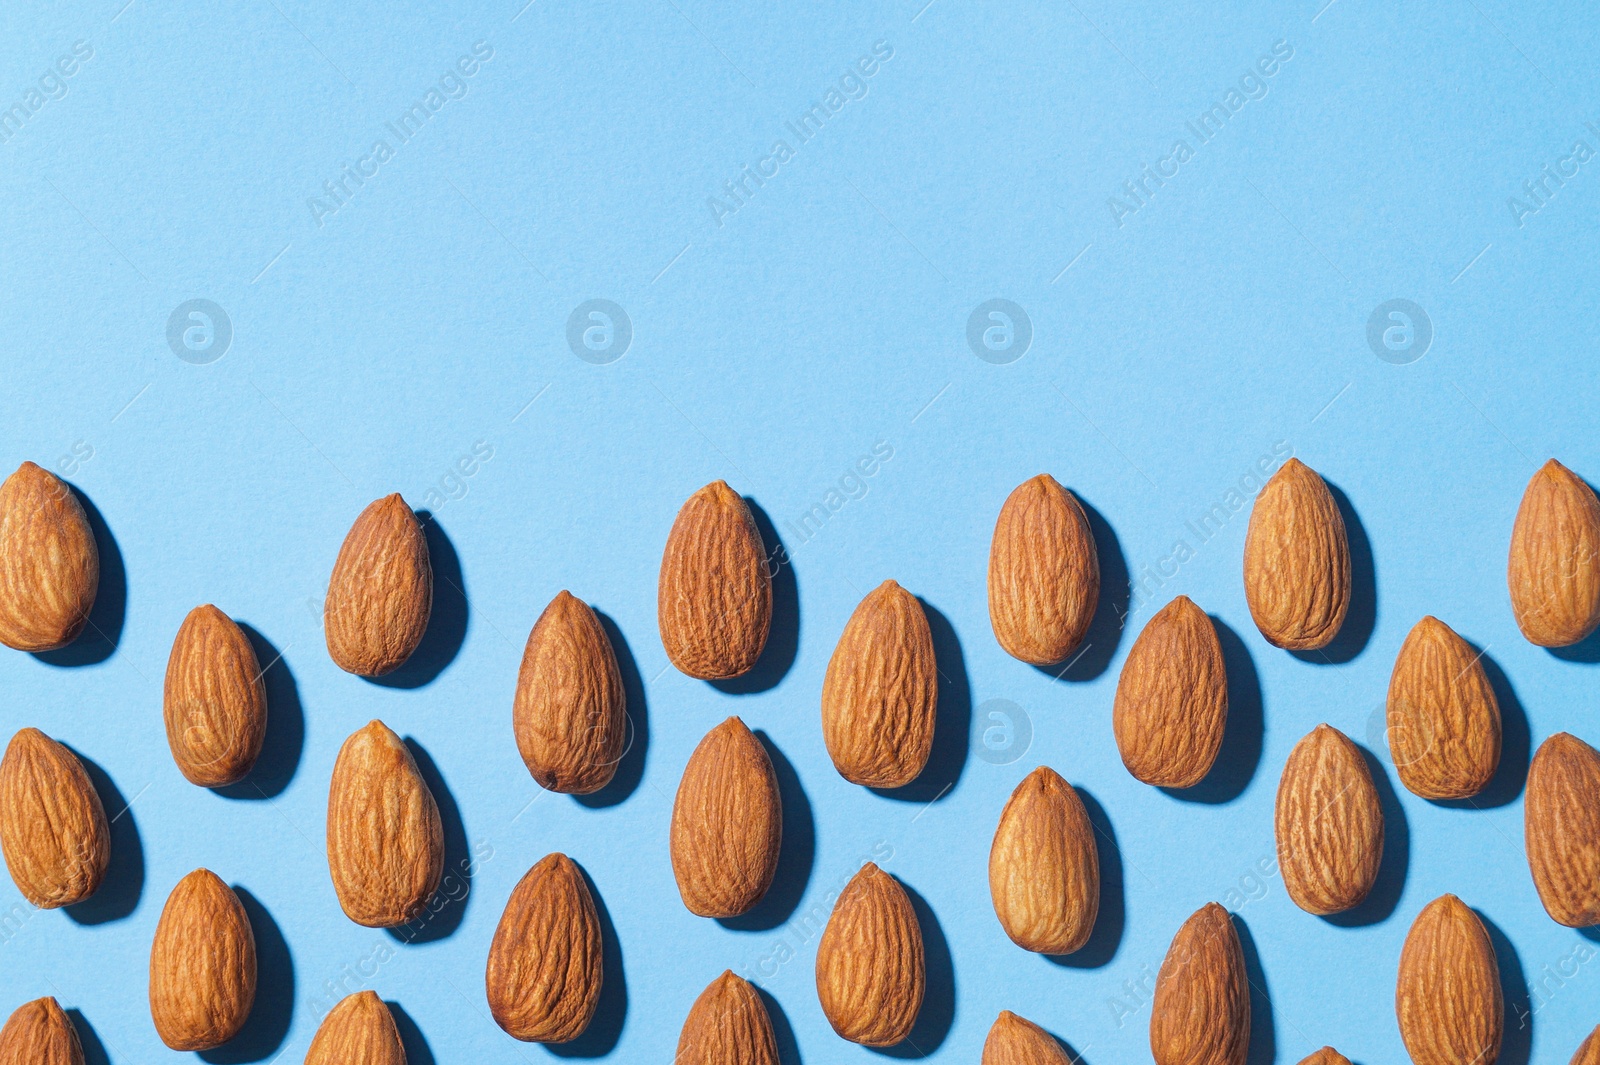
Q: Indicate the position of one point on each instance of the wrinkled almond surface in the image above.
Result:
(1589, 1051)
(40, 1033)
(727, 1025)
(727, 823)
(1014, 1040)
(202, 965)
(570, 713)
(1044, 573)
(49, 564)
(1171, 707)
(1201, 1012)
(545, 963)
(1044, 871)
(870, 969)
(1444, 721)
(53, 828)
(1553, 570)
(360, 1030)
(1329, 824)
(714, 598)
(1297, 561)
(215, 700)
(1447, 998)
(1561, 825)
(381, 592)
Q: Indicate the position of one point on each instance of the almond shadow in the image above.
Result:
(939, 999)
(605, 1029)
(447, 620)
(952, 717)
(783, 637)
(268, 1025)
(1243, 735)
(286, 726)
(796, 854)
(1515, 745)
(100, 636)
(1109, 923)
(1381, 901)
(448, 906)
(630, 767)
(1093, 656)
(1362, 615)
(124, 883)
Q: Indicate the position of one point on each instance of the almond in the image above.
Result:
(727, 823)
(1553, 570)
(360, 1030)
(881, 692)
(1044, 574)
(1201, 1012)
(1326, 1056)
(870, 970)
(39, 1033)
(1329, 824)
(385, 839)
(545, 971)
(570, 713)
(1561, 823)
(1589, 1052)
(1444, 721)
(49, 564)
(1297, 561)
(1171, 708)
(727, 1025)
(1015, 1041)
(202, 965)
(1447, 997)
(52, 826)
(714, 599)
(381, 592)
(1044, 871)
(215, 701)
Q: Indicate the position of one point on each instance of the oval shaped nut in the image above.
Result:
(1044, 871)
(1297, 561)
(214, 700)
(544, 974)
(1201, 1012)
(1171, 707)
(714, 597)
(881, 692)
(1328, 823)
(727, 1025)
(1561, 824)
(1589, 1052)
(1443, 718)
(385, 839)
(727, 823)
(870, 970)
(1326, 1056)
(360, 1030)
(202, 965)
(1553, 570)
(40, 1033)
(381, 592)
(1044, 573)
(1447, 998)
(49, 564)
(1014, 1040)
(53, 828)
(570, 712)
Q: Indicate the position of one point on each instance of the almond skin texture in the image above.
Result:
(381, 592)
(1016, 1041)
(1201, 1012)
(714, 599)
(385, 839)
(52, 826)
(1447, 998)
(870, 970)
(1589, 1052)
(1561, 823)
(1443, 718)
(1297, 561)
(727, 823)
(570, 713)
(49, 564)
(202, 965)
(1329, 824)
(215, 700)
(727, 1025)
(360, 1030)
(1171, 708)
(545, 973)
(1326, 1056)
(1044, 871)
(39, 1033)
(881, 692)
(1553, 571)
(1044, 574)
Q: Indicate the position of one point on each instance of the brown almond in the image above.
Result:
(360, 1030)
(1553, 570)
(1329, 824)
(49, 564)
(52, 826)
(1561, 824)
(1044, 573)
(1297, 561)
(544, 974)
(881, 691)
(1044, 870)
(385, 839)
(1014, 1040)
(1443, 718)
(870, 970)
(714, 597)
(1171, 707)
(381, 592)
(215, 700)
(202, 965)
(727, 1025)
(1447, 998)
(1201, 1012)
(40, 1033)
(1326, 1056)
(1589, 1052)
(727, 823)
(570, 712)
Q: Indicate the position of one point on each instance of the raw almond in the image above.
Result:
(39, 1033)
(727, 823)
(1443, 718)
(881, 692)
(381, 592)
(1044, 871)
(360, 1030)
(1201, 1012)
(1016, 1041)
(1553, 570)
(1297, 561)
(1044, 574)
(1561, 823)
(570, 713)
(870, 970)
(385, 839)
(714, 598)
(727, 1025)
(49, 565)
(215, 700)
(202, 965)
(1329, 824)
(1589, 1052)
(1447, 997)
(545, 964)
(1326, 1056)
(1171, 707)
(52, 826)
